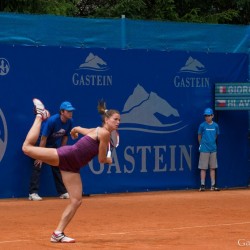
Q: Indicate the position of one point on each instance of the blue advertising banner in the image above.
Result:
(161, 96)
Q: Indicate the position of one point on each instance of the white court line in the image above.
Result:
(12, 241)
(176, 228)
(153, 230)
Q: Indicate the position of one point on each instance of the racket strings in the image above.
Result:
(113, 142)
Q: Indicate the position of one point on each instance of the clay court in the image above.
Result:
(153, 220)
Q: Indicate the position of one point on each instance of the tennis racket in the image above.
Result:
(114, 142)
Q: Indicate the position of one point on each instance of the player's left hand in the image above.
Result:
(74, 134)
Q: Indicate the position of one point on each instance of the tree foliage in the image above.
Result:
(210, 11)
(56, 7)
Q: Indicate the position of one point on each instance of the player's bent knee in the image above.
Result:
(76, 202)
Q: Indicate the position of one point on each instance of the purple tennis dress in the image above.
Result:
(73, 157)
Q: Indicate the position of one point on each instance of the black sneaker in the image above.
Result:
(202, 188)
(214, 188)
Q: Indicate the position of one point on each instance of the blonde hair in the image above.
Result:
(105, 113)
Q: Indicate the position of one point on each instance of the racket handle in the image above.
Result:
(109, 154)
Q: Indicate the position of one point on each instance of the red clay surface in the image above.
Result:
(156, 220)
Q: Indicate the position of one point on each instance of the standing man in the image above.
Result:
(54, 133)
(207, 135)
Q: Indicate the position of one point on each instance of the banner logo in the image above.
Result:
(4, 67)
(98, 66)
(3, 135)
(93, 62)
(188, 76)
(140, 109)
(193, 66)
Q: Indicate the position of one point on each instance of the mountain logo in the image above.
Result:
(93, 62)
(3, 135)
(193, 66)
(4, 67)
(146, 112)
(61, 132)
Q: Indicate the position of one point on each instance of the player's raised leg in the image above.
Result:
(48, 155)
(41, 114)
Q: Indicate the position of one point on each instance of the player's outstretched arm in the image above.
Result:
(79, 130)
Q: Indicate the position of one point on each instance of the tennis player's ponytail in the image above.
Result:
(102, 109)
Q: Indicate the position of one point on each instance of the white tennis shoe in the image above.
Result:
(40, 110)
(64, 196)
(61, 238)
(34, 197)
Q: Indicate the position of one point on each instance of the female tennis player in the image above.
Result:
(71, 158)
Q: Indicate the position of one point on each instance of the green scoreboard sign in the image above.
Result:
(232, 96)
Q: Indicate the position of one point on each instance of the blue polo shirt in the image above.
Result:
(54, 129)
(208, 134)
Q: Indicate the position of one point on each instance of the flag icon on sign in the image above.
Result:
(222, 89)
(221, 103)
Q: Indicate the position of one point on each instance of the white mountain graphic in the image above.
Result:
(59, 133)
(193, 65)
(93, 62)
(141, 108)
(4, 67)
(3, 144)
